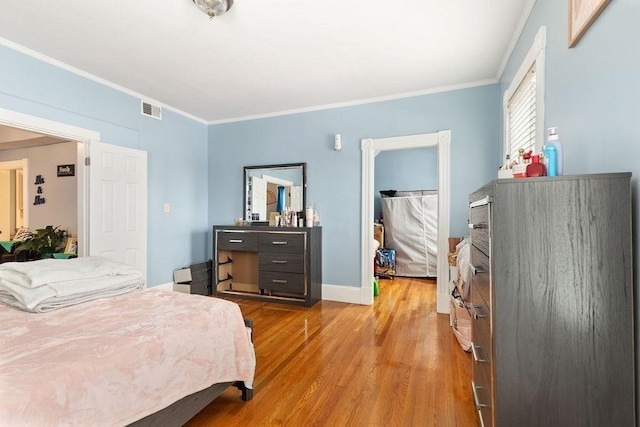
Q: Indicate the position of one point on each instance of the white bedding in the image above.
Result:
(112, 361)
(49, 284)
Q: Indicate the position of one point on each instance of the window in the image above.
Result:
(523, 103)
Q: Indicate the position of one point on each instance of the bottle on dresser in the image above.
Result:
(553, 141)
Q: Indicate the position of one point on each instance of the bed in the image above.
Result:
(129, 356)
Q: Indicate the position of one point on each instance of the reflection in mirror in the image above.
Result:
(269, 189)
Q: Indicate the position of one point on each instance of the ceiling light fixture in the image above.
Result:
(214, 7)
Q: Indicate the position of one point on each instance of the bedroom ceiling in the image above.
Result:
(265, 58)
(13, 138)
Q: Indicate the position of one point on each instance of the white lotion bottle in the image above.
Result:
(308, 216)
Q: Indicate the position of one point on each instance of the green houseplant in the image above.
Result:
(43, 242)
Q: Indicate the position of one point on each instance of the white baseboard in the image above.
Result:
(348, 294)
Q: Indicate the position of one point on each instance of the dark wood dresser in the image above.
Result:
(552, 301)
(268, 263)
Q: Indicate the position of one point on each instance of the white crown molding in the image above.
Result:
(516, 36)
(47, 59)
(44, 58)
(358, 102)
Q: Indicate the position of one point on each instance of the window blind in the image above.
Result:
(521, 116)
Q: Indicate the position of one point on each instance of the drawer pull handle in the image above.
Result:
(277, 261)
(477, 226)
(475, 270)
(279, 243)
(235, 240)
(476, 358)
(475, 313)
(284, 282)
(476, 399)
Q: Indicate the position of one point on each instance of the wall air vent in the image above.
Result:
(151, 110)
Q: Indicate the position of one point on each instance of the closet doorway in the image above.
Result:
(370, 147)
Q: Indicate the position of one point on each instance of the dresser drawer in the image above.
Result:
(480, 274)
(201, 271)
(282, 242)
(482, 357)
(482, 392)
(479, 227)
(481, 335)
(281, 261)
(479, 214)
(480, 325)
(200, 287)
(237, 241)
(285, 282)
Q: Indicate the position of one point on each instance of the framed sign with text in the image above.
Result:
(66, 170)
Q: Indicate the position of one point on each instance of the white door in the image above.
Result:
(118, 204)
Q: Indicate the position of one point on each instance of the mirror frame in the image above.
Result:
(247, 170)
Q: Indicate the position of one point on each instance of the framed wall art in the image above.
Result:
(582, 13)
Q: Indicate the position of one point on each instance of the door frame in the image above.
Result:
(370, 148)
(83, 137)
(24, 165)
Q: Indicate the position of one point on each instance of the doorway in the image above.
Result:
(67, 133)
(370, 147)
(14, 212)
(117, 184)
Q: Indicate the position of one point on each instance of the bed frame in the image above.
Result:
(186, 408)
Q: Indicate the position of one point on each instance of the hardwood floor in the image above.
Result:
(396, 363)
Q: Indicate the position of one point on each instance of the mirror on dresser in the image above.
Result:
(273, 188)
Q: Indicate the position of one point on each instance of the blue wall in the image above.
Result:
(396, 170)
(592, 94)
(334, 177)
(592, 90)
(177, 169)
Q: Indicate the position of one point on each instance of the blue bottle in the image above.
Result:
(553, 141)
(551, 154)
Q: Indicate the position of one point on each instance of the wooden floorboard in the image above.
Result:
(395, 363)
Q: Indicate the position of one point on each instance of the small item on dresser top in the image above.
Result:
(505, 170)
(535, 168)
(285, 218)
(553, 141)
(520, 171)
(507, 162)
(505, 173)
(308, 216)
(552, 161)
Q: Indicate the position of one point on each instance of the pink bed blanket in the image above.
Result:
(115, 360)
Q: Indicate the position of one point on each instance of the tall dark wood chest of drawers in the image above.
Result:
(552, 301)
(269, 263)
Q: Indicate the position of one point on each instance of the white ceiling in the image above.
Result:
(265, 58)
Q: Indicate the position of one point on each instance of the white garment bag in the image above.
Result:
(411, 228)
